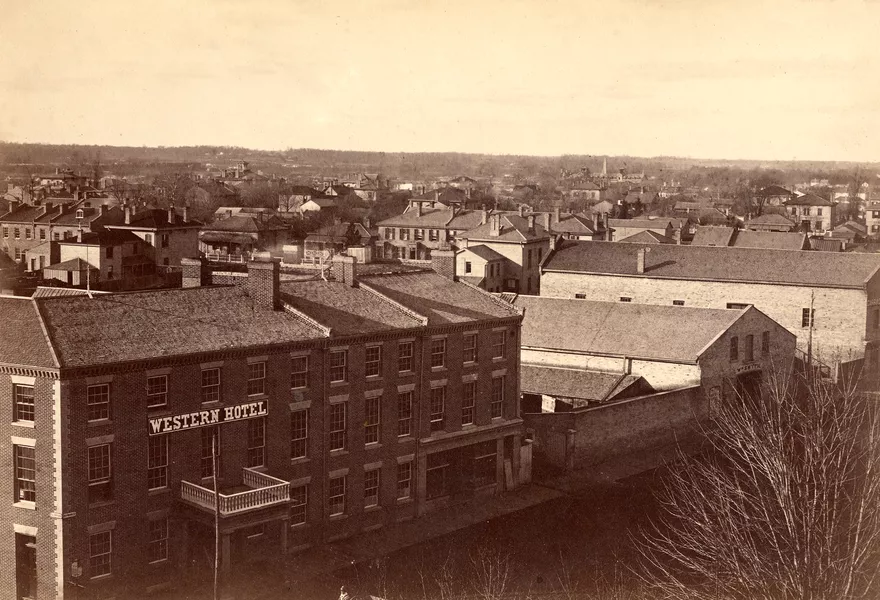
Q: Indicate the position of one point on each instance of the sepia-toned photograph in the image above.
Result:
(439, 300)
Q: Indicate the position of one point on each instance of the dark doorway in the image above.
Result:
(25, 566)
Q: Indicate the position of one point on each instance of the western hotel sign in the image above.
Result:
(206, 418)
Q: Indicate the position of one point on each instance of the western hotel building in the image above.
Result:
(339, 406)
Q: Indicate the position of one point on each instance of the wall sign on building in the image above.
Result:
(206, 418)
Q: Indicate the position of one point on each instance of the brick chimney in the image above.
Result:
(104, 209)
(556, 215)
(186, 212)
(195, 272)
(127, 214)
(79, 234)
(263, 283)
(548, 220)
(640, 259)
(418, 209)
(171, 214)
(608, 233)
(595, 222)
(47, 208)
(484, 216)
(343, 268)
(495, 225)
(532, 224)
(443, 263)
(522, 210)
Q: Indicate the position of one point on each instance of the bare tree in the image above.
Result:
(491, 573)
(785, 504)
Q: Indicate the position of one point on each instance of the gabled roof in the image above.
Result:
(771, 219)
(74, 264)
(643, 331)
(322, 202)
(22, 340)
(484, 252)
(156, 218)
(106, 237)
(826, 244)
(514, 228)
(772, 191)
(753, 265)
(593, 386)
(56, 292)
(779, 240)
(713, 236)
(440, 299)
(853, 226)
(338, 232)
(647, 237)
(660, 223)
(447, 195)
(574, 224)
(245, 223)
(808, 200)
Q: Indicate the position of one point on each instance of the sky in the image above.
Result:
(781, 80)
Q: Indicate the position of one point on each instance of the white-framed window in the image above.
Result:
(808, 318)
(100, 474)
(404, 413)
(404, 480)
(372, 412)
(157, 547)
(438, 408)
(157, 391)
(338, 366)
(24, 408)
(98, 397)
(299, 372)
(405, 357)
(299, 504)
(469, 349)
(299, 433)
(211, 385)
(371, 487)
(497, 404)
(256, 442)
(336, 495)
(499, 344)
(25, 473)
(373, 361)
(157, 462)
(100, 553)
(338, 426)
(438, 353)
(256, 378)
(468, 402)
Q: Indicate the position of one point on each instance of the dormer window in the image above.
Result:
(79, 213)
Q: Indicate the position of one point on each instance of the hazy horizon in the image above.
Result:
(702, 81)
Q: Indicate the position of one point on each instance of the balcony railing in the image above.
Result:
(227, 258)
(265, 491)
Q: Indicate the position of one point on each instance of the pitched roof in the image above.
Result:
(54, 292)
(853, 226)
(484, 252)
(105, 237)
(594, 386)
(156, 218)
(640, 223)
(440, 299)
(647, 237)
(808, 200)
(346, 310)
(645, 331)
(826, 244)
(773, 190)
(770, 219)
(780, 240)
(445, 195)
(713, 236)
(577, 224)
(514, 228)
(114, 328)
(245, 223)
(22, 340)
(755, 265)
(74, 264)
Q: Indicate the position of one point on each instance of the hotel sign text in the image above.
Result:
(206, 418)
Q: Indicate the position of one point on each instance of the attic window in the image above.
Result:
(79, 213)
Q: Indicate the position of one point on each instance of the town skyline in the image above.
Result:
(640, 79)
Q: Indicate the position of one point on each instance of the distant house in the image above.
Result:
(243, 234)
(648, 237)
(337, 238)
(774, 195)
(318, 205)
(586, 190)
(623, 228)
(420, 229)
(110, 259)
(481, 266)
(770, 222)
(850, 232)
(827, 244)
(602, 208)
(291, 199)
(872, 218)
(169, 236)
(577, 226)
(210, 194)
(811, 212)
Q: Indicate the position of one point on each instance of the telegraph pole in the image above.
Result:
(216, 515)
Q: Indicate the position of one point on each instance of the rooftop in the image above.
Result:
(645, 331)
(754, 265)
(514, 228)
(647, 237)
(593, 386)
(440, 299)
(484, 252)
(22, 341)
(808, 200)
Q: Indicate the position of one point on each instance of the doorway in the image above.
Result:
(25, 566)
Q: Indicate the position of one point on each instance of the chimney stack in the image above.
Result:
(436, 195)
(495, 225)
(48, 207)
(547, 221)
(484, 216)
(171, 214)
(263, 282)
(532, 224)
(195, 272)
(556, 215)
(522, 210)
(79, 234)
(344, 269)
(640, 259)
(418, 209)
(608, 233)
(186, 212)
(595, 222)
(103, 209)
(443, 262)
(127, 214)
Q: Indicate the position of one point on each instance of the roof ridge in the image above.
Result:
(423, 320)
(493, 297)
(298, 314)
(45, 330)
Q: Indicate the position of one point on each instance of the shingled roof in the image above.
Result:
(22, 339)
(593, 386)
(514, 228)
(752, 265)
(645, 331)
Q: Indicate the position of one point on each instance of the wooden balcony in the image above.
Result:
(261, 490)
